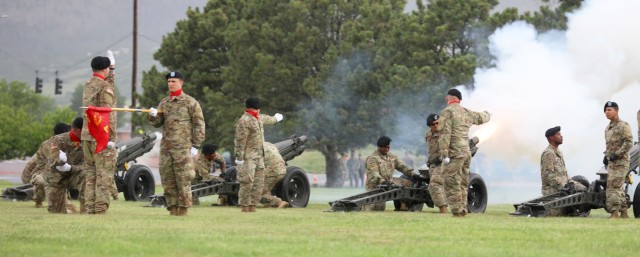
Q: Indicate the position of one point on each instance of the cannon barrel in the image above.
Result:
(291, 147)
(133, 148)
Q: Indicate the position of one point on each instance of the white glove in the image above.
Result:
(111, 144)
(63, 156)
(446, 160)
(111, 59)
(194, 151)
(64, 168)
(239, 162)
(279, 117)
(153, 112)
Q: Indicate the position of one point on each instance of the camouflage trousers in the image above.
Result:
(616, 198)
(436, 186)
(269, 183)
(251, 178)
(456, 182)
(177, 172)
(39, 187)
(382, 206)
(99, 169)
(113, 189)
(58, 194)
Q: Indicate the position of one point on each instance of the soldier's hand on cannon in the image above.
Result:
(194, 151)
(64, 168)
(613, 157)
(153, 112)
(278, 117)
(111, 144)
(63, 156)
(111, 59)
(239, 162)
(605, 161)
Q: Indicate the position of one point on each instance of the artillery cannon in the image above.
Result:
(135, 181)
(416, 196)
(293, 188)
(580, 204)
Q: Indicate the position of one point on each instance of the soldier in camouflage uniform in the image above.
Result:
(64, 169)
(436, 181)
(619, 141)
(249, 153)
(455, 153)
(380, 167)
(32, 173)
(183, 132)
(204, 165)
(275, 169)
(99, 91)
(553, 171)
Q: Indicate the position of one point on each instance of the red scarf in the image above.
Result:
(99, 76)
(453, 102)
(177, 93)
(75, 139)
(253, 113)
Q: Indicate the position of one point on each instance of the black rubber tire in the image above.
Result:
(294, 188)
(139, 183)
(636, 202)
(477, 194)
(582, 180)
(232, 174)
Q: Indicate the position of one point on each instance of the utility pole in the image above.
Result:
(135, 54)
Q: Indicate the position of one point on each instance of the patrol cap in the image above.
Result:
(383, 141)
(552, 131)
(455, 92)
(209, 149)
(174, 75)
(252, 103)
(432, 118)
(100, 63)
(610, 104)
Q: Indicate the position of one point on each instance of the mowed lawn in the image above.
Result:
(132, 230)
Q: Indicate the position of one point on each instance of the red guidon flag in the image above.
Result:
(98, 123)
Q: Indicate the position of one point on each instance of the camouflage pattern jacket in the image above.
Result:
(619, 139)
(553, 171)
(36, 164)
(204, 167)
(432, 145)
(74, 153)
(455, 122)
(249, 139)
(100, 93)
(381, 167)
(273, 162)
(183, 122)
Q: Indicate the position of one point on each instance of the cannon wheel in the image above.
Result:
(139, 183)
(636, 202)
(477, 194)
(294, 187)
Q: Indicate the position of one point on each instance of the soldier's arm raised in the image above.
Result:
(198, 129)
(480, 117)
(266, 119)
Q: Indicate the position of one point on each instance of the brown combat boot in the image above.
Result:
(443, 209)
(39, 204)
(252, 208)
(115, 197)
(244, 208)
(182, 211)
(173, 210)
(624, 214)
(283, 204)
(614, 215)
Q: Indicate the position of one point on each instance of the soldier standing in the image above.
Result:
(354, 166)
(455, 153)
(182, 134)
(380, 167)
(249, 153)
(204, 165)
(275, 169)
(553, 171)
(361, 170)
(64, 169)
(436, 180)
(619, 141)
(99, 91)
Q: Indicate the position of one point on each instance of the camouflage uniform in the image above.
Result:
(454, 125)
(29, 168)
(203, 168)
(275, 169)
(183, 128)
(554, 175)
(58, 183)
(354, 168)
(619, 140)
(436, 180)
(33, 172)
(380, 168)
(99, 166)
(249, 148)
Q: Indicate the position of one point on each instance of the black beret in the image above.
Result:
(77, 122)
(252, 103)
(431, 118)
(174, 75)
(61, 128)
(209, 149)
(552, 131)
(455, 92)
(100, 63)
(610, 104)
(383, 141)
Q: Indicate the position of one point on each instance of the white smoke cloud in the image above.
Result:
(559, 78)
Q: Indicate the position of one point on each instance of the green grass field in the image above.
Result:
(132, 230)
